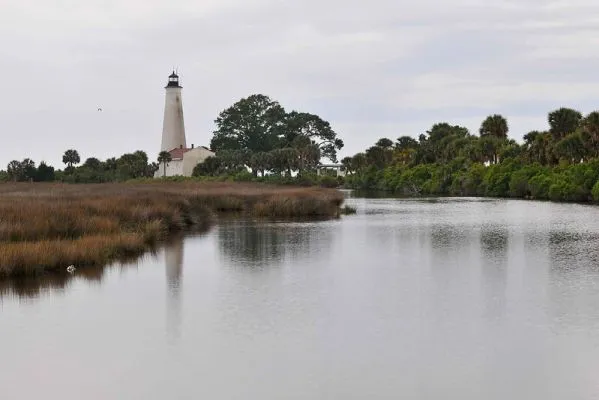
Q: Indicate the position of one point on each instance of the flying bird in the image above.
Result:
(99, 109)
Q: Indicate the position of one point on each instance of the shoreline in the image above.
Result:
(47, 227)
(379, 193)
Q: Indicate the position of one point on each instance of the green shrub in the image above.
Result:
(557, 191)
(519, 184)
(244, 176)
(306, 179)
(595, 192)
(328, 181)
(563, 190)
(539, 186)
(496, 183)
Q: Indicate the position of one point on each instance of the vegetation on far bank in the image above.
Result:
(50, 226)
(559, 164)
(115, 169)
(256, 140)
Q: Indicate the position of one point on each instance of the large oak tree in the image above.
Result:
(258, 124)
(254, 123)
(319, 131)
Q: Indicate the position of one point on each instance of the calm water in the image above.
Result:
(413, 299)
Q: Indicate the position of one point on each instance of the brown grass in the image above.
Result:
(50, 226)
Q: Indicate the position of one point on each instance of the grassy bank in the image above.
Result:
(46, 227)
(304, 179)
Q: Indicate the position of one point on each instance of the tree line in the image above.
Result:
(128, 166)
(561, 163)
(255, 133)
(257, 139)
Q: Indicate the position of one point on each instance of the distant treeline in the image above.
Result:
(255, 134)
(257, 140)
(126, 167)
(560, 164)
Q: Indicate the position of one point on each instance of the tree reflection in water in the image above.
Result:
(572, 250)
(494, 242)
(573, 270)
(33, 287)
(448, 238)
(260, 244)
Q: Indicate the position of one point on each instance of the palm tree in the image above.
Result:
(590, 131)
(377, 156)
(564, 122)
(385, 143)
(28, 169)
(571, 148)
(490, 147)
(71, 157)
(348, 164)
(164, 157)
(494, 125)
(257, 162)
(359, 161)
(308, 152)
(406, 142)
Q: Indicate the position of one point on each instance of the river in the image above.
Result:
(412, 299)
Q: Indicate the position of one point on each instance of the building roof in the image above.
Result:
(330, 165)
(177, 153)
(173, 81)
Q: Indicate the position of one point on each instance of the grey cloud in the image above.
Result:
(380, 68)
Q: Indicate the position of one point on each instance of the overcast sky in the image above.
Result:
(378, 68)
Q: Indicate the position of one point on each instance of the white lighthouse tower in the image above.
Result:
(173, 127)
(183, 159)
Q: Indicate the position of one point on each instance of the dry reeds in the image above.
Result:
(49, 226)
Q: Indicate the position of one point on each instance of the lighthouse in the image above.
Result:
(183, 159)
(173, 127)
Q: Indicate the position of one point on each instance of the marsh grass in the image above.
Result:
(45, 227)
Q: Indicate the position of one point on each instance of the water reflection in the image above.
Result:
(494, 240)
(34, 287)
(259, 245)
(574, 272)
(453, 299)
(173, 259)
(446, 237)
(573, 250)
